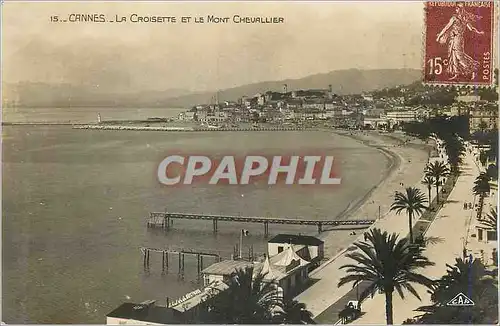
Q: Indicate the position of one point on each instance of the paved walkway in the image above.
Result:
(324, 299)
(450, 225)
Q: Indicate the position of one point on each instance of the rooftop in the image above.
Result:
(198, 296)
(279, 266)
(287, 257)
(271, 273)
(296, 239)
(146, 313)
(226, 267)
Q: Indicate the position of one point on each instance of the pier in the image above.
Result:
(165, 220)
(180, 253)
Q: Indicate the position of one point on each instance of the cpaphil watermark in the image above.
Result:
(252, 169)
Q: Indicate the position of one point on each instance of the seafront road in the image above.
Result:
(322, 298)
(325, 300)
(451, 226)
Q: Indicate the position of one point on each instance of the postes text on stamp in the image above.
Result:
(459, 43)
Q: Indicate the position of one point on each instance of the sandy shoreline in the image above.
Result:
(406, 165)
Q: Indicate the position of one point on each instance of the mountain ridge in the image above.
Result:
(348, 81)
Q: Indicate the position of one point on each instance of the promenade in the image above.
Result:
(324, 299)
(450, 226)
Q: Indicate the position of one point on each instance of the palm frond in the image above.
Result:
(386, 263)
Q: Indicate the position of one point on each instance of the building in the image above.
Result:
(351, 120)
(217, 117)
(188, 309)
(311, 93)
(374, 112)
(287, 269)
(458, 110)
(483, 117)
(307, 247)
(402, 116)
(146, 313)
(485, 233)
(293, 104)
(367, 97)
(468, 98)
(315, 105)
(187, 116)
(194, 304)
(222, 271)
(261, 99)
(374, 123)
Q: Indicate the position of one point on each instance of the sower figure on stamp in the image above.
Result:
(459, 62)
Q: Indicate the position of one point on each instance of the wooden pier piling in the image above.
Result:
(146, 258)
(181, 253)
(215, 225)
(180, 262)
(164, 262)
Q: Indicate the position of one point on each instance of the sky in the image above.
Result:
(316, 37)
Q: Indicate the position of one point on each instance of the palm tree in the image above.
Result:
(412, 202)
(454, 149)
(421, 240)
(483, 157)
(491, 219)
(492, 152)
(481, 188)
(388, 264)
(294, 312)
(472, 279)
(429, 182)
(482, 126)
(247, 300)
(437, 170)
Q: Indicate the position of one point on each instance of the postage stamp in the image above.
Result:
(459, 43)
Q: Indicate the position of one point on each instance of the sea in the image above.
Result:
(75, 205)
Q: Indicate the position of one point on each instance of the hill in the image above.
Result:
(343, 82)
(350, 81)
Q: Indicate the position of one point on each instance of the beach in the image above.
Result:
(407, 170)
(407, 163)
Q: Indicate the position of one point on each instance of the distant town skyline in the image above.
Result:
(121, 57)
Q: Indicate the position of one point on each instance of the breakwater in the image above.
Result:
(190, 129)
(38, 123)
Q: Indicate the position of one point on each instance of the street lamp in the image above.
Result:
(242, 234)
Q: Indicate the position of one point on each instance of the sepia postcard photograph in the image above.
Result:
(253, 162)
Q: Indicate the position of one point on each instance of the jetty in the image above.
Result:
(62, 123)
(180, 253)
(165, 220)
(189, 129)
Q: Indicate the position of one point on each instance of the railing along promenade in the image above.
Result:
(165, 220)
